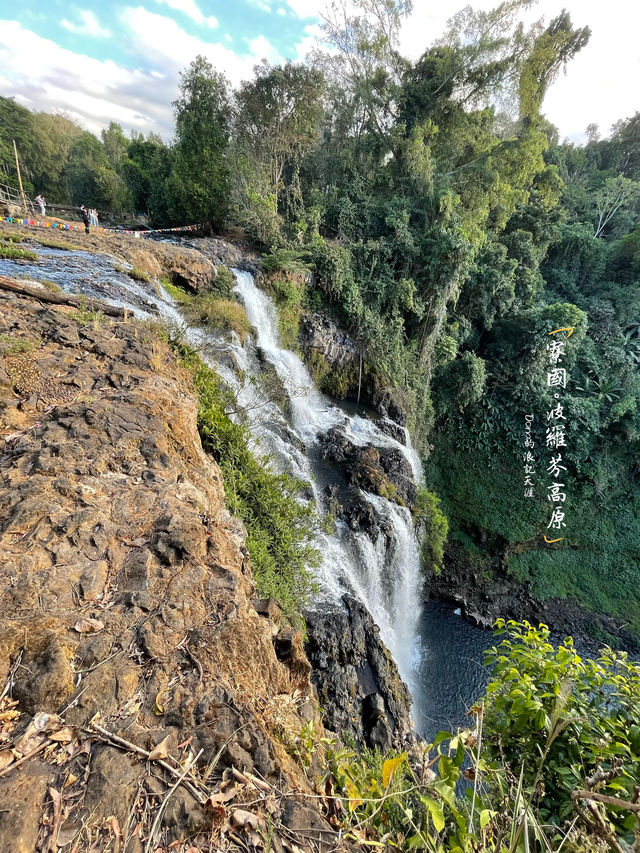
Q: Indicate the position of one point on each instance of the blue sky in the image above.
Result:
(119, 60)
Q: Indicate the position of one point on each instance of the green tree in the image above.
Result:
(200, 167)
(115, 144)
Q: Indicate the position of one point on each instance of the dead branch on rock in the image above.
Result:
(43, 295)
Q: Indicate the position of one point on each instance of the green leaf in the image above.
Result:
(485, 817)
(435, 810)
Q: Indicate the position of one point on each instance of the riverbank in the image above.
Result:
(486, 595)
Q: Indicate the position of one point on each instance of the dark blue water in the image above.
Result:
(451, 673)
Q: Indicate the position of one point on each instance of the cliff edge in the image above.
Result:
(143, 703)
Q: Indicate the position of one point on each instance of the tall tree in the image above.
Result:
(278, 118)
(200, 178)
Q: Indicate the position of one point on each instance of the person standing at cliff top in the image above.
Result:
(85, 218)
(41, 202)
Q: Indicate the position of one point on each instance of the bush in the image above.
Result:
(13, 253)
(280, 528)
(552, 731)
(224, 282)
(284, 260)
(432, 528)
(224, 314)
(564, 722)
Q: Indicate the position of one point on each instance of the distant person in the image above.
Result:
(41, 202)
(94, 217)
(86, 218)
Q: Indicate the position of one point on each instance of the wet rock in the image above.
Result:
(392, 429)
(360, 691)
(384, 471)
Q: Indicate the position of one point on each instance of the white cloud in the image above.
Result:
(282, 11)
(88, 25)
(102, 92)
(163, 43)
(260, 4)
(192, 10)
(261, 48)
(307, 8)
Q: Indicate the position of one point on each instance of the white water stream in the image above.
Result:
(384, 575)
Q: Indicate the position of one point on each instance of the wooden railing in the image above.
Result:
(11, 195)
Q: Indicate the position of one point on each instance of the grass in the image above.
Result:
(138, 274)
(225, 314)
(175, 292)
(13, 238)
(16, 346)
(50, 243)
(12, 253)
(87, 317)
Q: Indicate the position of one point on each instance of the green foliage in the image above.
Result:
(225, 314)
(432, 527)
(551, 730)
(198, 185)
(15, 253)
(224, 282)
(460, 382)
(586, 714)
(284, 260)
(176, 292)
(280, 526)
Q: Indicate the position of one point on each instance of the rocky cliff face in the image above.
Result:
(382, 470)
(360, 691)
(128, 636)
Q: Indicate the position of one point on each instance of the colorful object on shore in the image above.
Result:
(66, 226)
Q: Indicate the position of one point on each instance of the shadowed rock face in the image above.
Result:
(125, 586)
(360, 691)
(321, 334)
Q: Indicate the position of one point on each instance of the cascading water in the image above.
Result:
(383, 572)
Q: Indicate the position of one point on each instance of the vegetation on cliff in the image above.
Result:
(279, 525)
(551, 763)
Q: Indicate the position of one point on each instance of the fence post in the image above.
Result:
(24, 198)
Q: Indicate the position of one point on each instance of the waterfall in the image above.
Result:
(384, 574)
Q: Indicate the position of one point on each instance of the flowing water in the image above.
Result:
(383, 571)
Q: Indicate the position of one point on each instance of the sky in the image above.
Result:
(119, 60)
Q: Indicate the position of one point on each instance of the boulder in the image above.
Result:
(360, 690)
(384, 471)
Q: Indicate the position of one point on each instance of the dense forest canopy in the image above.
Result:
(448, 230)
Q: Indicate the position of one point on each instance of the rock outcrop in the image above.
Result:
(384, 471)
(128, 636)
(321, 334)
(361, 693)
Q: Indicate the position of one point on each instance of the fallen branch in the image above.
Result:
(116, 740)
(43, 295)
(164, 802)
